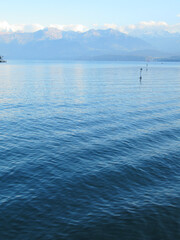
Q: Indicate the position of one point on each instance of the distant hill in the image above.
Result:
(52, 43)
(164, 41)
(109, 44)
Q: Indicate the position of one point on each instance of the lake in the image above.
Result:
(88, 151)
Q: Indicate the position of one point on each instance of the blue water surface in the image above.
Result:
(88, 151)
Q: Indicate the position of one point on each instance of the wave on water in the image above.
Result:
(89, 152)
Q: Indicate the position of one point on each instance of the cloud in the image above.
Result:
(32, 27)
(178, 15)
(144, 27)
(71, 27)
(115, 27)
(6, 27)
(152, 27)
(134, 29)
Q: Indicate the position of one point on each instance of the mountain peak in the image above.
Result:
(52, 33)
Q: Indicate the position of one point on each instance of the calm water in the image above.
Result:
(89, 152)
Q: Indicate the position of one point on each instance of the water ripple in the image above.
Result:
(87, 152)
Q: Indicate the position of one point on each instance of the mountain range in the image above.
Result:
(51, 43)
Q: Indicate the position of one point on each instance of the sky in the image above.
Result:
(87, 12)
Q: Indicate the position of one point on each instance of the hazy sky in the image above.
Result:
(89, 12)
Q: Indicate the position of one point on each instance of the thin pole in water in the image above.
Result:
(140, 74)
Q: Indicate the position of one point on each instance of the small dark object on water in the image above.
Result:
(2, 60)
(140, 74)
